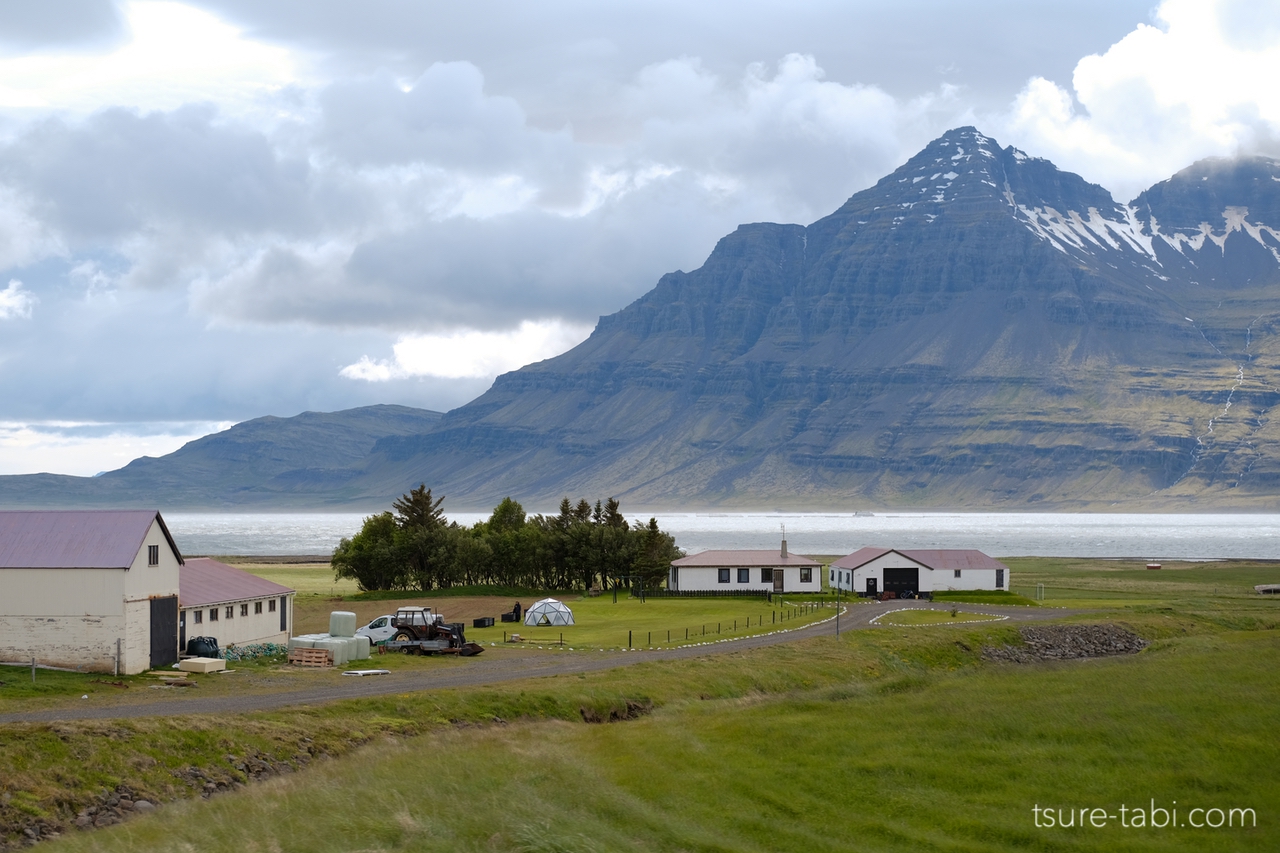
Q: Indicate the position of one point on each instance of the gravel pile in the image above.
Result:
(1066, 642)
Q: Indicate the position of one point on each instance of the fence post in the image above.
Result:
(650, 643)
(628, 639)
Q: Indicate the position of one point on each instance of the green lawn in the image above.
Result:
(932, 617)
(600, 623)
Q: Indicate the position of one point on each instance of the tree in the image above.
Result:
(653, 558)
(373, 557)
(416, 510)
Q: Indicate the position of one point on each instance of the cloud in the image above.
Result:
(470, 353)
(15, 303)
(1198, 85)
(162, 55)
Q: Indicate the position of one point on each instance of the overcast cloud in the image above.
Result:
(211, 211)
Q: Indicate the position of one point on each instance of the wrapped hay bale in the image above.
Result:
(362, 648)
(342, 623)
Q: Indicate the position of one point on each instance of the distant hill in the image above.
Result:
(304, 460)
(979, 329)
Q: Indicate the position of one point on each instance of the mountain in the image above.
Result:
(303, 460)
(979, 329)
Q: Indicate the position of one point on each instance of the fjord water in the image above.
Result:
(1144, 536)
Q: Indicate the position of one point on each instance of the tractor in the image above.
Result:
(421, 631)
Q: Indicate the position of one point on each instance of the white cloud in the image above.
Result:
(15, 302)
(85, 449)
(175, 54)
(1159, 99)
(470, 353)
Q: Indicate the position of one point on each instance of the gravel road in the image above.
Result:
(481, 671)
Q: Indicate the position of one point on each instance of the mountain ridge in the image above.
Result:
(979, 328)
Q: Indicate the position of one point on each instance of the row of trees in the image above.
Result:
(414, 547)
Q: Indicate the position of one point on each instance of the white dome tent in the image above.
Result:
(548, 611)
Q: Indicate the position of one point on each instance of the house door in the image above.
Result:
(873, 587)
(778, 585)
(164, 631)
(182, 632)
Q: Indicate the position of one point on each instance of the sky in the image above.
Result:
(221, 209)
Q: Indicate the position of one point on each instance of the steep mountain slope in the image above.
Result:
(979, 328)
(304, 459)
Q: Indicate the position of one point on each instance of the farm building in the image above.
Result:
(745, 571)
(231, 605)
(96, 590)
(871, 571)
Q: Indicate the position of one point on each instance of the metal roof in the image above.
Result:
(745, 559)
(203, 582)
(76, 539)
(941, 559)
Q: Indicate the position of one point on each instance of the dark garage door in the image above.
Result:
(901, 580)
(164, 631)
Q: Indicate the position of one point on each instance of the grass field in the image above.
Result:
(881, 741)
(901, 738)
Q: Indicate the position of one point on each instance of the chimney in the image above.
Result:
(784, 548)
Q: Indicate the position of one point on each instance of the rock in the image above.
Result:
(84, 820)
(143, 806)
(1064, 642)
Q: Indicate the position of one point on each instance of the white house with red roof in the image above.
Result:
(94, 590)
(232, 606)
(871, 571)
(753, 571)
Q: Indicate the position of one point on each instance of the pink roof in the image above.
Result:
(75, 539)
(934, 558)
(745, 559)
(202, 582)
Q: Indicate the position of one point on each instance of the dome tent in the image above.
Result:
(548, 611)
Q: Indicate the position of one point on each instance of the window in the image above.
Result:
(806, 575)
(271, 606)
(999, 578)
(380, 622)
(766, 575)
(231, 611)
(153, 555)
(244, 609)
(832, 578)
(724, 576)
(957, 573)
(199, 614)
(744, 576)
(257, 607)
(213, 614)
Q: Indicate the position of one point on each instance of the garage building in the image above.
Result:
(89, 589)
(871, 571)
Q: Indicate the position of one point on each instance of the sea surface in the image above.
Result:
(1144, 536)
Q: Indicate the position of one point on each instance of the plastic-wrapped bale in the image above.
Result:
(302, 643)
(342, 623)
(337, 647)
(362, 648)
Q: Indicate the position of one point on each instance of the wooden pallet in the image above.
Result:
(311, 657)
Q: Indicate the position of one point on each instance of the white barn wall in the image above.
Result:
(240, 630)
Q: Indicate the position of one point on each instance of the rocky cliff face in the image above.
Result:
(979, 328)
